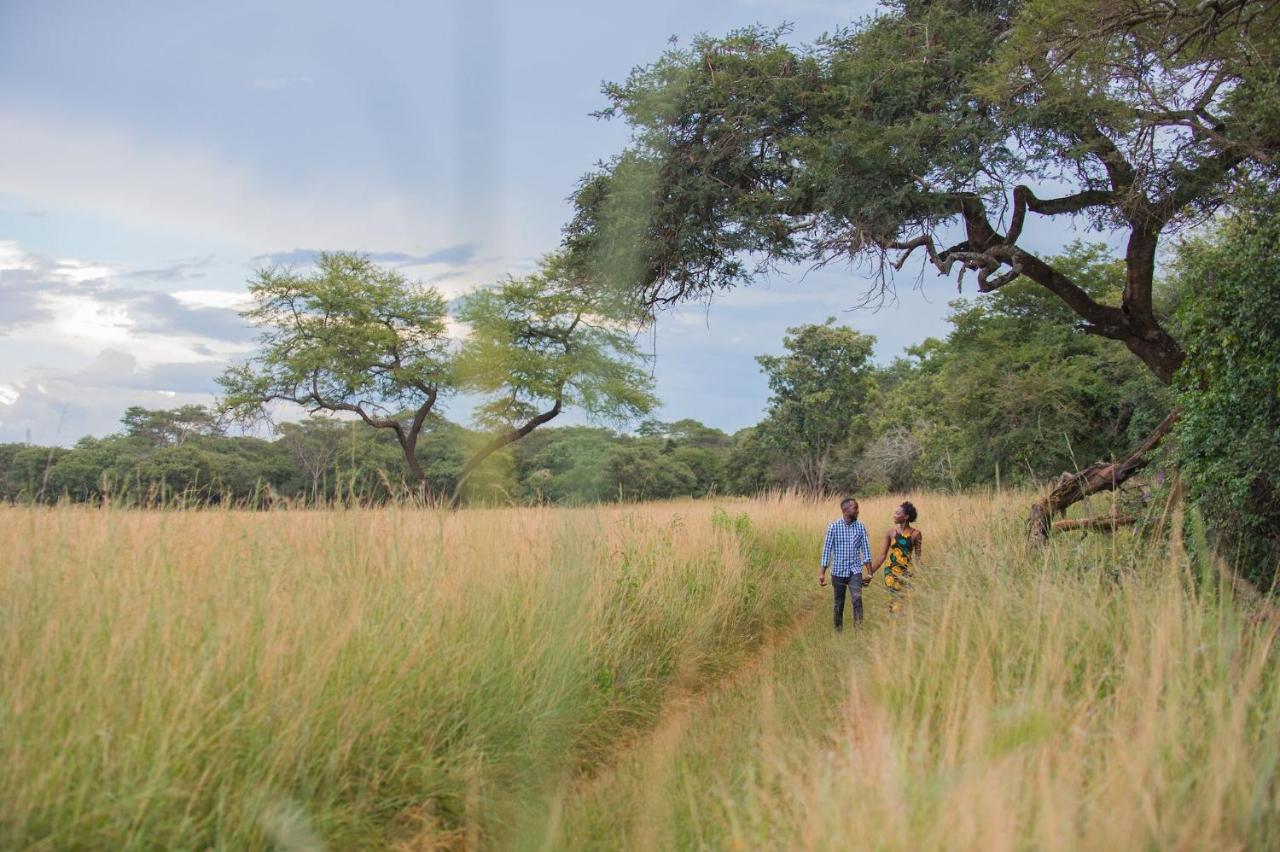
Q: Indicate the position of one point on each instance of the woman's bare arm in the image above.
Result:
(884, 552)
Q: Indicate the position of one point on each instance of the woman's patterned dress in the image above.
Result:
(898, 572)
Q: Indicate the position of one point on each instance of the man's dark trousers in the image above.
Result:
(853, 584)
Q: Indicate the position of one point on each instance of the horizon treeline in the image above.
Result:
(1013, 394)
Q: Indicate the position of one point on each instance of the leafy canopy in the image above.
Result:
(547, 341)
(935, 126)
(351, 337)
(1015, 388)
(821, 388)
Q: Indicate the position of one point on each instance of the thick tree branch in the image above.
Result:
(1105, 522)
(1024, 199)
(506, 437)
(998, 261)
(1101, 476)
(420, 417)
(1102, 319)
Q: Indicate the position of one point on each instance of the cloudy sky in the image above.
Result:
(153, 154)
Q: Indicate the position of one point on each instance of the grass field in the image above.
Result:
(621, 677)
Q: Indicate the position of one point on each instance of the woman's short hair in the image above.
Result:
(909, 511)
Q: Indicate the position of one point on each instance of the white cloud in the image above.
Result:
(66, 164)
(229, 299)
(58, 405)
(12, 257)
(82, 306)
(81, 317)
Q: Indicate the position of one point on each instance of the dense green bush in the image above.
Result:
(1229, 386)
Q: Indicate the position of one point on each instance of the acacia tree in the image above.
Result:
(351, 337)
(170, 427)
(937, 127)
(821, 388)
(544, 342)
(313, 444)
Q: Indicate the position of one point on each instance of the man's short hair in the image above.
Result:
(846, 501)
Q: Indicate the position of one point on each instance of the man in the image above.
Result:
(848, 553)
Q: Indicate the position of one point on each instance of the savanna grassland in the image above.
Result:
(654, 676)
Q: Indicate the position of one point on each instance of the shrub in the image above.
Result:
(1229, 386)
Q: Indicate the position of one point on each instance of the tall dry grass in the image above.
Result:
(358, 678)
(1108, 693)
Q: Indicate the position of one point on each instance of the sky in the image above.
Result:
(152, 155)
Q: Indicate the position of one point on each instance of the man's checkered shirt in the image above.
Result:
(846, 548)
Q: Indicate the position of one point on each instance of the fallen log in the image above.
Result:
(1106, 522)
(1100, 476)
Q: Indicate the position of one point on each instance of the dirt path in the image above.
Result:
(652, 750)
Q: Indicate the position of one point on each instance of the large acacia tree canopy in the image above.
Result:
(351, 337)
(879, 139)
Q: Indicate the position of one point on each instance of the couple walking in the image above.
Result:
(847, 551)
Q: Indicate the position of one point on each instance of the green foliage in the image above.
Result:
(25, 470)
(167, 428)
(313, 445)
(355, 338)
(820, 391)
(350, 337)
(749, 149)
(1017, 387)
(642, 471)
(909, 127)
(1015, 392)
(1229, 390)
(747, 468)
(564, 465)
(686, 432)
(549, 341)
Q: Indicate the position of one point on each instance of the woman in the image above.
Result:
(902, 546)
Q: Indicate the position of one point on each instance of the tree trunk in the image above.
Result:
(501, 440)
(410, 447)
(1100, 476)
(1105, 522)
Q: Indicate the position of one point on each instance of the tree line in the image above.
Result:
(1041, 397)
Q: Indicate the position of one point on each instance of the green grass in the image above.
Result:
(621, 677)
(1101, 695)
(365, 678)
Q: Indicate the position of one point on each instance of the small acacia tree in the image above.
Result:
(350, 337)
(937, 127)
(170, 427)
(314, 444)
(820, 391)
(544, 342)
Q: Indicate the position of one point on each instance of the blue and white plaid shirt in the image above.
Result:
(846, 548)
